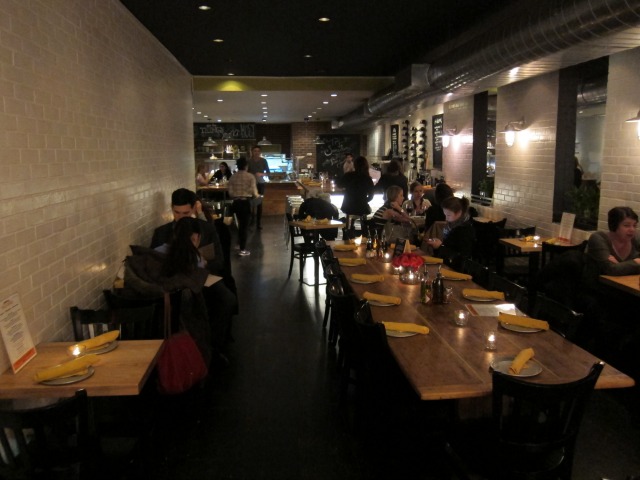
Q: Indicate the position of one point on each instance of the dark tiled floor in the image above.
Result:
(273, 413)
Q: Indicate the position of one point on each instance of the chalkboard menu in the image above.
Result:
(437, 126)
(331, 153)
(226, 131)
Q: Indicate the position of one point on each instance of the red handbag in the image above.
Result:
(180, 364)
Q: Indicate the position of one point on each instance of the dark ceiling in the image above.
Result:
(271, 38)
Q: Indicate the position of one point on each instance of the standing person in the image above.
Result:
(347, 165)
(243, 188)
(259, 167)
(358, 190)
(221, 301)
(393, 176)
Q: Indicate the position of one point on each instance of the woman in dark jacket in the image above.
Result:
(434, 212)
(457, 242)
(358, 189)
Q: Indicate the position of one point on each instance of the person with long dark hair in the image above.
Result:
(457, 241)
(358, 190)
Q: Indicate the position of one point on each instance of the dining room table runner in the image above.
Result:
(452, 362)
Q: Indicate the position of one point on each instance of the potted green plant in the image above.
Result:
(585, 203)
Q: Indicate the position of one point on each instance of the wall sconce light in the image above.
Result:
(210, 142)
(448, 133)
(510, 130)
(636, 119)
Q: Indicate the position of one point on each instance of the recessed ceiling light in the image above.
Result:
(230, 74)
(314, 112)
(308, 55)
(219, 120)
(199, 113)
(263, 103)
(264, 108)
(319, 108)
(204, 7)
(264, 95)
(220, 100)
(206, 116)
(264, 119)
(334, 94)
(309, 116)
(218, 40)
(324, 19)
(325, 103)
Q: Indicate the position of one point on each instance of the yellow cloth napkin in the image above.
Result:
(309, 219)
(363, 277)
(455, 275)
(522, 321)
(314, 184)
(406, 327)
(322, 221)
(477, 292)
(345, 248)
(429, 259)
(393, 245)
(381, 298)
(100, 340)
(352, 262)
(518, 363)
(72, 367)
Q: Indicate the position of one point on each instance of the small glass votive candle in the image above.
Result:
(386, 257)
(76, 351)
(490, 340)
(448, 293)
(358, 240)
(461, 317)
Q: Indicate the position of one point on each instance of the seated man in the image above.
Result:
(320, 208)
(221, 302)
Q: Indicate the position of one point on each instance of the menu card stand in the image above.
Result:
(15, 333)
(566, 227)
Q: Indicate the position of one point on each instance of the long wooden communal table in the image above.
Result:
(625, 283)
(451, 362)
(120, 372)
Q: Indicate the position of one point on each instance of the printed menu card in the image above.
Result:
(15, 333)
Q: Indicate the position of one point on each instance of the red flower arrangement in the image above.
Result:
(408, 260)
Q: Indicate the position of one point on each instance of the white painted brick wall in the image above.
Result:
(95, 133)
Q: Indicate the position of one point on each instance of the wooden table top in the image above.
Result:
(521, 245)
(214, 188)
(317, 226)
(626, 283)
(122, 371)
(451, 362)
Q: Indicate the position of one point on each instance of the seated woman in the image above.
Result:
(391, 214)
(417, 205)
(434, 213)
(202, 177)
(457, 242)
(616, 252)
(223, 173)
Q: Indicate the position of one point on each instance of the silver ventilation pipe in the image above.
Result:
(592, 92)
(548, 27)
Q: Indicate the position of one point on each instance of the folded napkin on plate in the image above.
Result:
(522, 321)
(518, 363)
(477, 292)
(345, 248)
(381, 298)
(429, 259)
(363, 277)
(100, 340)
(72, 367)
(352, 262)
(455, 275)
(406, 327)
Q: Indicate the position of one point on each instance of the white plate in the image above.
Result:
(530, 369)
(393, 333)
(363, 282)
(518, 328)
(479, 299)
(375, 303)
(72, 379)
(107, 347)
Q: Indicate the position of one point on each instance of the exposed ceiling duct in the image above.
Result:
(549, 27)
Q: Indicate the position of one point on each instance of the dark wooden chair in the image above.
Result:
(561, 318)
(532, 432)
(51, 442)
(479, 272)
(513, 293)
(300, 250)
(550, 250)
(510, 262)
(136, 323)
(486, 241)
(330, 267)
